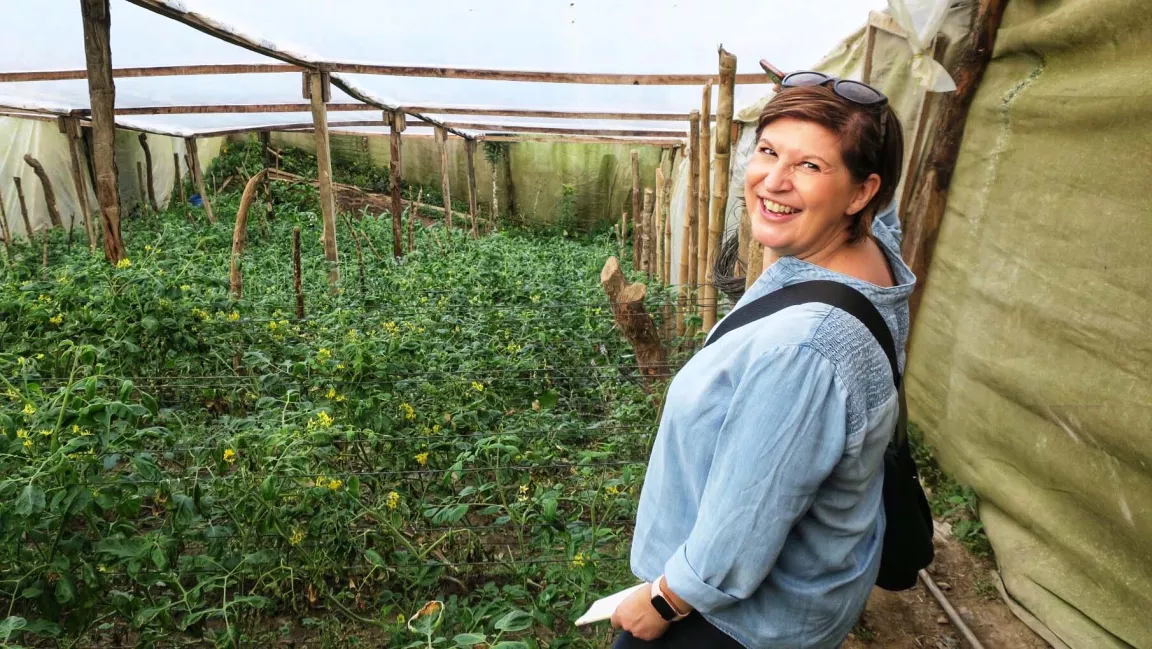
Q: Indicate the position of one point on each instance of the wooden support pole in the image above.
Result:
(140, 184)
(266, 152)
(395, 181)
(924, 110)
(930, 196)
(869, 52)
(658, 227)
(693, 209)
(637, 261)
(705, 195)
(622, 232)
(627, 302)
(46, 184)
(240, 233)
(23, 208)
(445, 187)
(148, 170)
(645, 233)
(683, 285)
(755, 263)
(470, 158)
(97, 22)
(668, 252)
(359, 251)
(6, 231)
(318, 89)
(297, 285)
(179, 179)
(413, 214)
(198, 176)
(70, 127)
(722, 167)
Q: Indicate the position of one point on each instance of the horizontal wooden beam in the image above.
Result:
(577, 139)
(480, 74)
(189, 109)
(509, 128)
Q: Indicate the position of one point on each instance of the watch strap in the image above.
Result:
(663, 606)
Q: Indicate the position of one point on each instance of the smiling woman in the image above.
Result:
(760, 524)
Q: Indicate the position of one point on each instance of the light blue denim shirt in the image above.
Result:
(762, 500)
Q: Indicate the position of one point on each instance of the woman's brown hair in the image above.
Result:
(871, 141)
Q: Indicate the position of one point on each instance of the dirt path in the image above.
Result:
(913, 620)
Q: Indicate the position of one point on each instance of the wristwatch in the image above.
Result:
(663, 606)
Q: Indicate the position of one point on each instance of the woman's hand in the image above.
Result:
(637, 616)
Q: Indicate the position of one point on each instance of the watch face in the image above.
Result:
(663, 608)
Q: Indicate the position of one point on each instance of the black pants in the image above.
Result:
(693, 632)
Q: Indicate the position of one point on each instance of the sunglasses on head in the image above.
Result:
(856, 92)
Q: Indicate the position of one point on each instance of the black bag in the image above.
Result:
(908, 537)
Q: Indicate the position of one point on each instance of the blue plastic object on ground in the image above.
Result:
(196, 200)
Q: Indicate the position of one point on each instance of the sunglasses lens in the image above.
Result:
(859, 92)
(799, 79)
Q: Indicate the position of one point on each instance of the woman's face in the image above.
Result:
(800, 195)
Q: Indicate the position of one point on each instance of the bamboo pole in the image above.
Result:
(23, 208)
(445, 187)
(637, 261)
(97, 23)
(722, 167)
(266, 154)
(148, 168)
(470, 157)
(705, 192)
(693, 212)
(297, 285)
(70, 127)
(46, 185)
(318, 90)
(240, 234)
(7, 232)
(683, 288)
(396, 147)
(668, 252)
(659, 226)
(197, 173)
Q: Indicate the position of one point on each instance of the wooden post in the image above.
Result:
(70, 127)
(931, 193)
(178, 186)
(693, 207)
(755, 263)
(140, 184)
(102, 96)
(317, 92)
(722, 166)
(637, 261)
(148, 170)
(7, 232)
(705, 195)
(470, 155)
(623, 237)
(23, 208)
(414, 214)
(445, 188)
(658, 226)
(869, 51)
(198, 176)
(397, 123)
(927, 101)
(296, 283)
(668, 252)
(239, 233)
(627, 302)
(646, 213)
(359, 251)
(266, 151)
(684, 286)
(46, 184)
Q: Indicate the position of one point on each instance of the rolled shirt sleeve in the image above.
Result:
(783, 434)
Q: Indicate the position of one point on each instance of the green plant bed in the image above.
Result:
(461, 425)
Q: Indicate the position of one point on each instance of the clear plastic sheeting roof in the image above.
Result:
(587, 36)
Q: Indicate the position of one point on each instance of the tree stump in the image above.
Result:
(628, 310)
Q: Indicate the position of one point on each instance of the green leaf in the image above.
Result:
(510, 644)
(457, 513)
(469, 639)
(11, 624)
(514, 621)
(31, 592)
(125, 390)
(427, 619)
(548, 400)
(43, 628)
(374, 558)
(30, 501)
(65, 590)
(159, 558)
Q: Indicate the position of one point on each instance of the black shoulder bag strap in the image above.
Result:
(908, 535)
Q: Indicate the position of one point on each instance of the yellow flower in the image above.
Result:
(422, 459)
(331, 393)
(185, 287)
(102, 568)
(233, 317)
(340, 366)
(29, 409)
(272, 326)
(165, 302)
(535, 298)
(335, 484)
(21, 433)
(229, 455)
(400, 619)
(45, 432)
(393, 500)
(322, 420)
(124, 263)
(297, 537)
(46, 299)
(56, 319)
(408, 411)
(147, 248)
(352, 335)
(27, 443)
(578, 560)
(323, 354)
(436, 429)
(523, 488)
(39, 357)
(612, 490)
(512, 348)
(477, 386)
